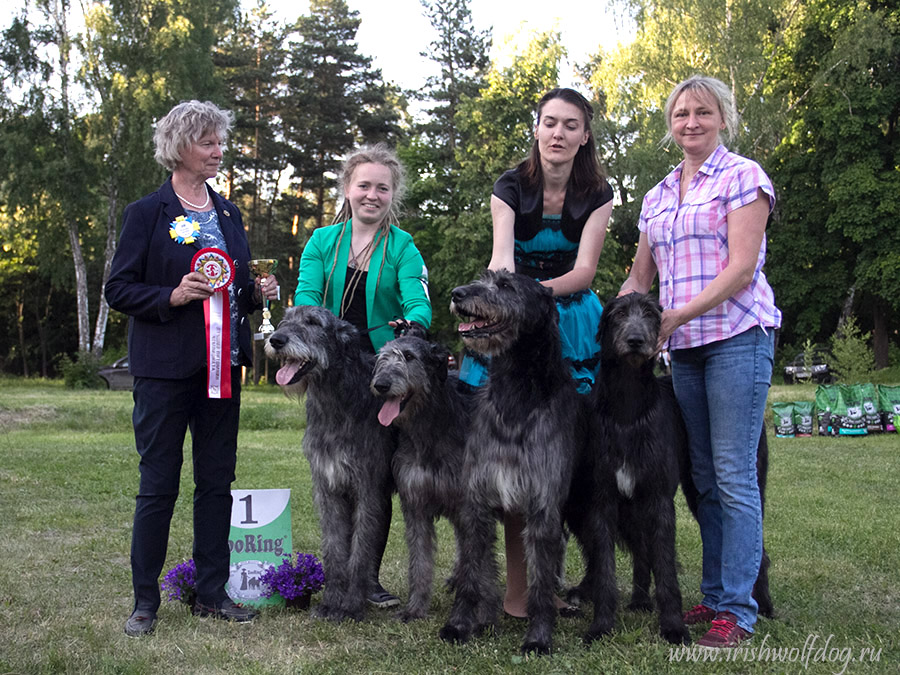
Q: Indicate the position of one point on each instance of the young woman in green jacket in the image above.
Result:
(368, 271)
(364, 269)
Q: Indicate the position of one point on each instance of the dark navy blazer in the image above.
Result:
(163, 341)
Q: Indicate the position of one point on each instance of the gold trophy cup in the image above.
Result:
(263, 267)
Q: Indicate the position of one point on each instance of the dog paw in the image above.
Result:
(453, 635)
(766, 608)
(536, 647)
(321, 611)
(676, 635)
(410, 615)
(340, 614)
(576, 596)
(642, 605)
(595, 633)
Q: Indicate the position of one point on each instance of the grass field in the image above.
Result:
(68, 475)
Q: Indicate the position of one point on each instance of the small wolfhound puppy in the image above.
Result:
(424, 404)
(520, 453)
(349, 452)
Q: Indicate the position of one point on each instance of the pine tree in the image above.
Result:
(336, 100)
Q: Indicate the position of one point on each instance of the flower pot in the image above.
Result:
(300, 602)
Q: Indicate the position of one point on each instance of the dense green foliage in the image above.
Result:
(815, 84)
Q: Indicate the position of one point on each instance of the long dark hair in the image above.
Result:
(587, 174)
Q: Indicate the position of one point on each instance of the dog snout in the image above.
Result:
(635, 342)
(277, 341)
(459, 293)
(381, 385)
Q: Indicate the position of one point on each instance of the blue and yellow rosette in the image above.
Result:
(183, 230)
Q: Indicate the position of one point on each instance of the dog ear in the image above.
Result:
(347, 334)
(415, 329)
(440, 356)
(604, 317)
(601, 325)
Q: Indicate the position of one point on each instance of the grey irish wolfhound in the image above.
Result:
(526, 432)
(424, 404)
(349, 452)
(626, 486)
(637, 454)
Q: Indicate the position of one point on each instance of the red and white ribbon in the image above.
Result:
(218, 268)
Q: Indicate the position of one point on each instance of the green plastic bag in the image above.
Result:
(803, 418)
(827, 396)
(869, 397)
(889, 406)
(848, 415)
(784, 419)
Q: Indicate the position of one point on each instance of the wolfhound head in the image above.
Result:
(499, 308)
(629, 329)
(406, 370)
(307, 342)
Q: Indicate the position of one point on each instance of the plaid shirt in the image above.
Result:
(689, 244)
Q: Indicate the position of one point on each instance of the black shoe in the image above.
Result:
(226, 610)
(140, 623)
(381, 598)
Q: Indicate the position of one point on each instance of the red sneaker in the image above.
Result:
(724, 632)
(699, 614)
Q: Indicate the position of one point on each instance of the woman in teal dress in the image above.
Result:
(549, 217)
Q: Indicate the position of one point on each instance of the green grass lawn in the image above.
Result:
(68, 475)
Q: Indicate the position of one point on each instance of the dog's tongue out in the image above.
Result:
(389, 411)
(467, 326)
(286, 373)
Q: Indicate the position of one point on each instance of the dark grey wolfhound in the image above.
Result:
(636, 455)
(525, 434)
(349, 452)
(423, 402)
(625, 488)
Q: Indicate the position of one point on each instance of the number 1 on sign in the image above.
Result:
(248, 510)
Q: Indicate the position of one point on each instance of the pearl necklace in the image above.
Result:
(199, 207)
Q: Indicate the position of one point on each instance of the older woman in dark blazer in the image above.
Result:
(159, 278)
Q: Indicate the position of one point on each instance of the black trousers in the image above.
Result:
(163, 412)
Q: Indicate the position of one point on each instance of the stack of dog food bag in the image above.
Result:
(841, 410)
(793, 419)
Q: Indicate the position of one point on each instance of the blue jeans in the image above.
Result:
(721, 388)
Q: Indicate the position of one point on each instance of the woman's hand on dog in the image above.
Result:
(671, 320)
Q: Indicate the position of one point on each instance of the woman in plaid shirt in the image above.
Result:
(703, 233)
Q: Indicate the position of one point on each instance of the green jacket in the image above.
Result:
(400, 292)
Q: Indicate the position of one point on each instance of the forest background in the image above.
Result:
(817, 84)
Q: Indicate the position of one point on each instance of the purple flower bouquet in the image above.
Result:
(179, 583)
(295, 579)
